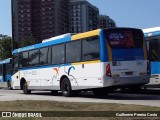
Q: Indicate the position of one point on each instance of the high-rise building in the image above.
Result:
(106, 22)
(83, 16)
(40, 19)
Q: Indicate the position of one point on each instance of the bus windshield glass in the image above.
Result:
(124, 38)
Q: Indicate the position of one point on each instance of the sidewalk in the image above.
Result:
(3, 85)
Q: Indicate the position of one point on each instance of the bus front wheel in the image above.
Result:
(25, 88)
(66, 87)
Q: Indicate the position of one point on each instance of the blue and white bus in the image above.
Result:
(5, 71)
(99, 60)
(152, 36)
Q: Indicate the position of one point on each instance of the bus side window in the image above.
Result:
(23, 59)
(90, 48)
(49, 54)
(34, 57)
(43, 56)
(73, 51)
(58, 54)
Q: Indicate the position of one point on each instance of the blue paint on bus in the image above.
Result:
(41, 45)
(5, 70)
(151, 34)
(155, 67)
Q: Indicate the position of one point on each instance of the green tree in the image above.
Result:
(3, 36)
(5, 47)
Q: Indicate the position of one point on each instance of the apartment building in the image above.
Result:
(83, 16)
(40, 19)
(106, 22)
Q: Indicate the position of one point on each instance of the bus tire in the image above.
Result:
(25, 89)
(66, 88)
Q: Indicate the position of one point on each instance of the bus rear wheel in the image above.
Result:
(25, 89)
(66, 88)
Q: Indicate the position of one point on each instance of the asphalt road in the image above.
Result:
(149, 98)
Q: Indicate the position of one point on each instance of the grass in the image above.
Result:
(65, 106)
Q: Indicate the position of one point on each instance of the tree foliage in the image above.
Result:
(5, 47)
(3, 36)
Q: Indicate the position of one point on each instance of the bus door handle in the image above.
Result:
(82, 65)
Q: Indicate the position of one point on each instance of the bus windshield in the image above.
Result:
(124, 38)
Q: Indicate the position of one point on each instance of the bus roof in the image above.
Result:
(86, 34)
(149, 32)
(5, 61)
(57, 37)
(154, 29)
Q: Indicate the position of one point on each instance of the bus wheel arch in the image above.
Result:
(61, 79)
(22, 82)
(65, 86)
(24, 86)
